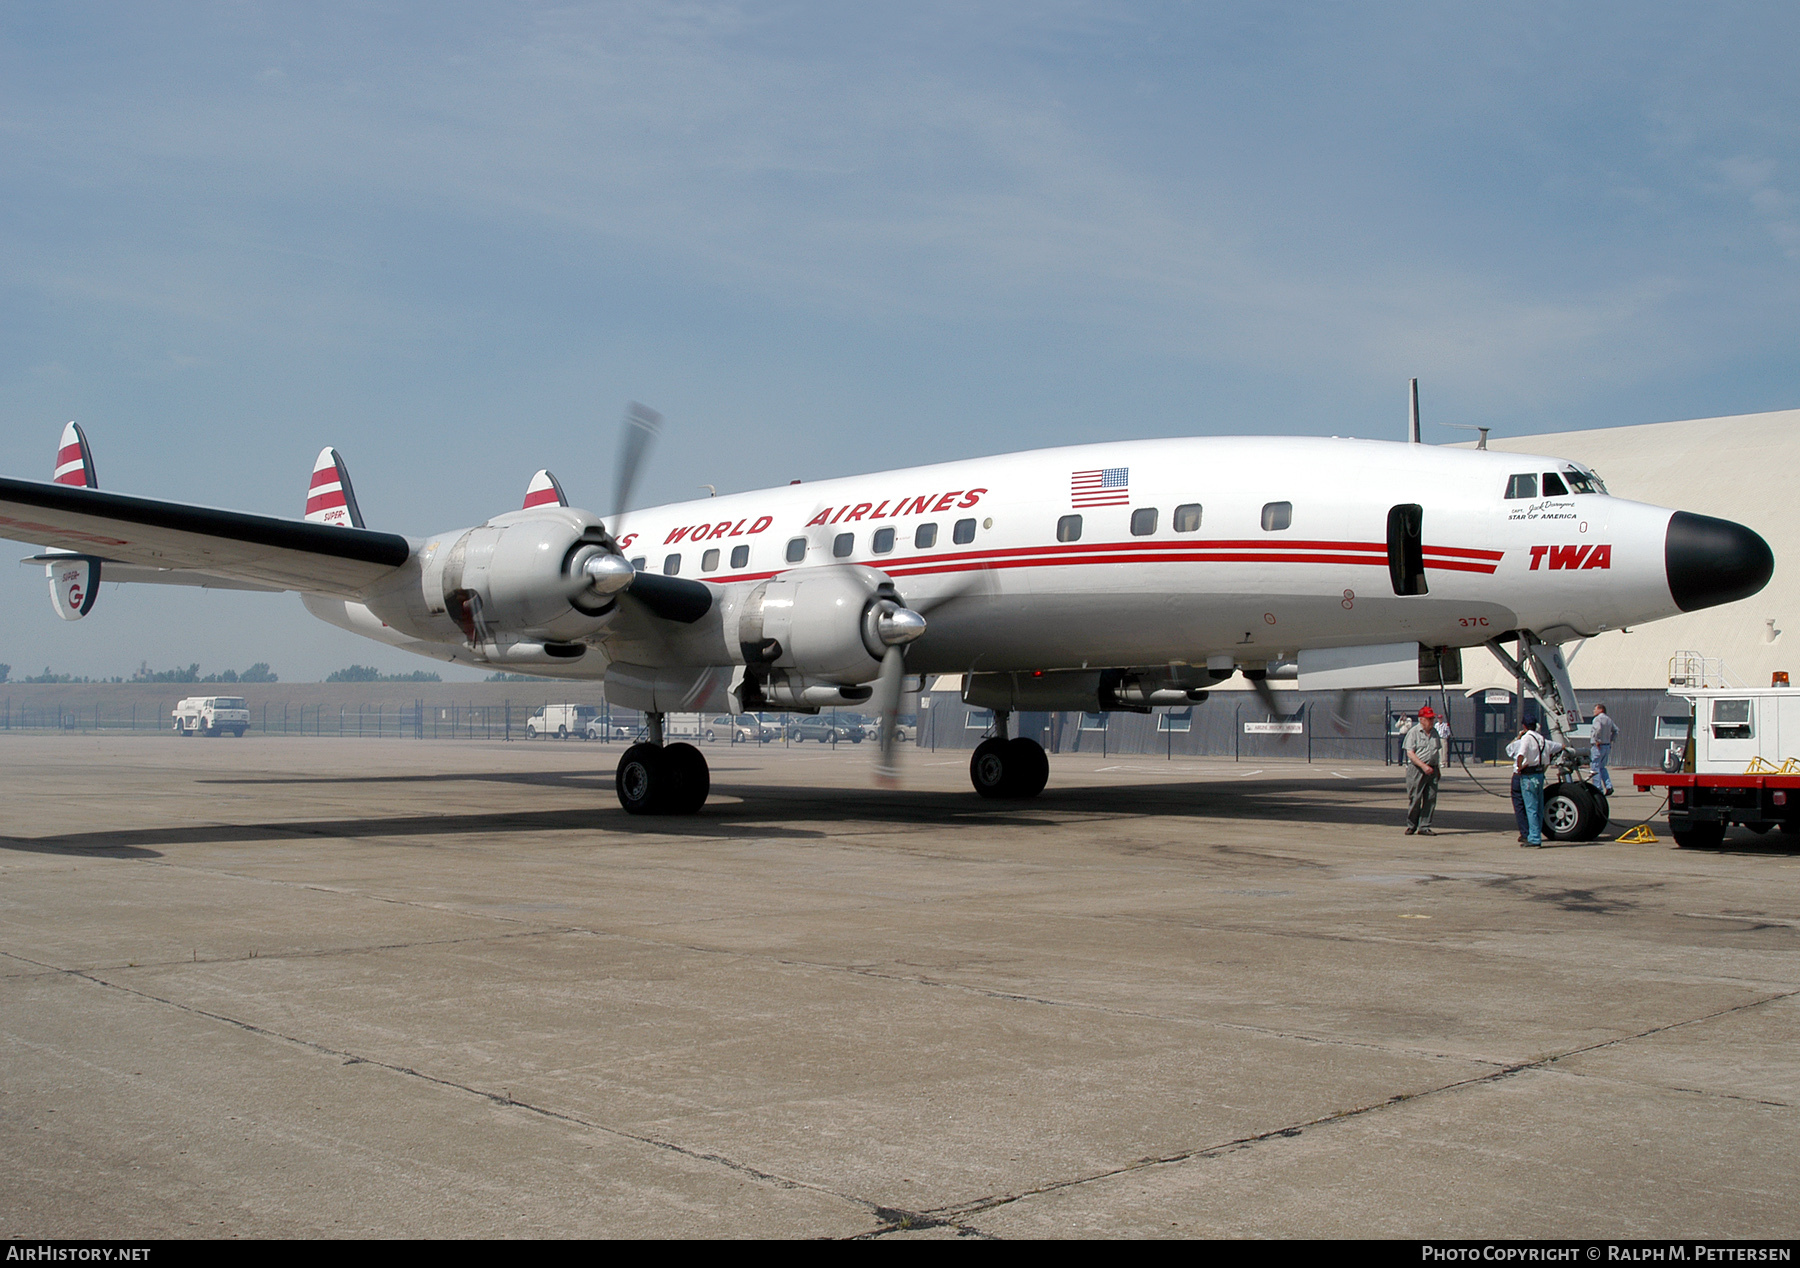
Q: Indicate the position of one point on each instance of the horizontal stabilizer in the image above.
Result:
(234, 545)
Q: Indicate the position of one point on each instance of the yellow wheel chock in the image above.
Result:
(1640, 835)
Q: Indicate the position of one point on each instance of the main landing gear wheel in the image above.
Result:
(1573, 812)
(1012, 769)
(672, 780)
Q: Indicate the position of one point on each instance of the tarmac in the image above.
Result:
(286, 987)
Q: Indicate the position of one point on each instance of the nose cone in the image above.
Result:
(1713, 561)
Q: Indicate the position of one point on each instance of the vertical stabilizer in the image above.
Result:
(330, 499)
(544, 490)
(1412, 421)
(74, 460)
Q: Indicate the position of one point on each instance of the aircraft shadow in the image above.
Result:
(807, 813)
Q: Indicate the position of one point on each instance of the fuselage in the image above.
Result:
(1159, 551)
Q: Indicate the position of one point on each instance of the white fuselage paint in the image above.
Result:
(1016, 598)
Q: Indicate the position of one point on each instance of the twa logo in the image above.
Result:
(1572, 556)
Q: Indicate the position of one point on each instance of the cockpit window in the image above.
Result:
(1583, 481)
(1522, 486)
(1553, 486)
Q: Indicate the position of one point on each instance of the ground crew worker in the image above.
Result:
(1424, 749)
(1605, 732)
(1528, 762)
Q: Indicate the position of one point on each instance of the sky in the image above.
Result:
(454, 241)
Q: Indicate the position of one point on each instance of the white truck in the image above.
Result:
(561, 720)
(211, 715)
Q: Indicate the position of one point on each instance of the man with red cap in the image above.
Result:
(1424, 751)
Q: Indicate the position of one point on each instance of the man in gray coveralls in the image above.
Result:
(1424, 750)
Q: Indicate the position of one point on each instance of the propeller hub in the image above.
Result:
(896, 626)
(607, 574)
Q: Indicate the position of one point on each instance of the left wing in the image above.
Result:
(142, 539)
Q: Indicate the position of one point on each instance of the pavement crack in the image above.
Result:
(506, 1099)
(950, 1214)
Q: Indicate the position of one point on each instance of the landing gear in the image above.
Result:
(658, 779)
(1009, 769)
(1574, 811)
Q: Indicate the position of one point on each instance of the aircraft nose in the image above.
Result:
(1713, 561)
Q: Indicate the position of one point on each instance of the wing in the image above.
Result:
(151, 537)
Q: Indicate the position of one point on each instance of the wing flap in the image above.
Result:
(262, 550)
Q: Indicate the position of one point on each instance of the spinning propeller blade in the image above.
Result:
(642, 426)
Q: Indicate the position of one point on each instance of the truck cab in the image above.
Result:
(211, 715)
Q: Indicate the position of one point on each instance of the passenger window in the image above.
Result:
(796, 550)
(1187, 518)
(740, 555)
(883, 542)
(925, 536)
(709, 562)
(1522, 486)
(1553, 486)
(1731, 720)
(1143, 521)
(671, 565)
(842, 545)
(1068, 528)
(1277, 516)
(637, 565)
(964, 532)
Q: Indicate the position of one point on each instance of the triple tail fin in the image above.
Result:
(74, 460)
(544, 490)
(330, 499)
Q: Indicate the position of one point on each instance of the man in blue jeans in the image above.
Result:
(1528, 764)
(1605, 732)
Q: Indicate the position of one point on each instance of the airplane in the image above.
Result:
(1122, 575)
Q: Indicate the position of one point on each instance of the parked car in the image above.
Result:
(827, 729)
(601, 729)
(742, 728)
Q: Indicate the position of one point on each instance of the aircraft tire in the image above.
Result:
(1596, 812)
(1569, 813)
(1029, 767)
(641, 779)
(989, 768)
(690, 780)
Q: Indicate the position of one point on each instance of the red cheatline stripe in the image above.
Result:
(1466, 552)
(1361, 554)
(325, 501)
(541, 497)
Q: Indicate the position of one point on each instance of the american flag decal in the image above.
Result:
(1107, 486)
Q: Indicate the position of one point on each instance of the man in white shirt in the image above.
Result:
(1530, 752)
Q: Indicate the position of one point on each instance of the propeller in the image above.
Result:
(1259, 683)
(894, 626)
(641, 427)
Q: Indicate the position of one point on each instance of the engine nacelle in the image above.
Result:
(523, 576)
(817, 624)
